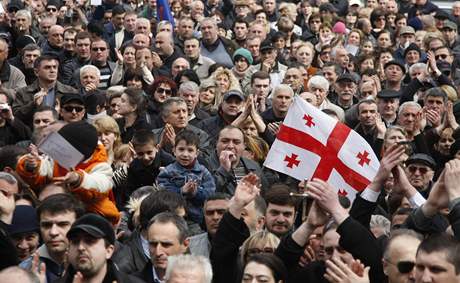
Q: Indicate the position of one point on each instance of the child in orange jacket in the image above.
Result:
(91, 181)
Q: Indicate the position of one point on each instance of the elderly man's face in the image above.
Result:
(209, 31)
(177, 116)
(89, 77)
(178, 65)
(56, 36)
(419, 175)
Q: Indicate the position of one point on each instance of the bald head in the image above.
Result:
(141, 40)
(164, 43)
(56, 36)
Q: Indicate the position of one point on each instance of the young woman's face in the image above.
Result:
(241, 64)
(354, 38)
(258, 272)
(223, 82)
(107, 139)
(207, 95)
(125, 106)
(129, 56)
(367, 48)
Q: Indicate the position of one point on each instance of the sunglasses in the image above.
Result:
(163, 90)
(77, 109)
(422, 170)
(51, 9)
(404, 266)
(95, 49)
(330, 250)
(441, 56)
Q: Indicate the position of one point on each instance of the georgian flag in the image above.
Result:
(311, 144)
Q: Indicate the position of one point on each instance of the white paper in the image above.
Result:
(2, 10)
(352, 49)
(96, 2)
(61, 151)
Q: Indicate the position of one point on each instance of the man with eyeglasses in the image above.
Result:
(72, 108)
(100, 59)
(420, 171)
(46, 90)
(399, 256)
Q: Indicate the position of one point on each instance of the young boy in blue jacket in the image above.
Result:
(186, 176)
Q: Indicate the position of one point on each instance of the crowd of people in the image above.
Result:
(173, 120)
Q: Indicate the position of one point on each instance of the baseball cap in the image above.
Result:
(66, 98)
(232, 93)
(266, 45)
(421, 158)
(95, 225)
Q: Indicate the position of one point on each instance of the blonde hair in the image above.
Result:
(107, 124)
(234, 83)
(452, 94)
(256, 145)
(261, 237)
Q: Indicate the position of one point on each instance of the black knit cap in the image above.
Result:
(82, 136)
(412, 46)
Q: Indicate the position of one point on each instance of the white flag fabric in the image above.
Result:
(311, 144)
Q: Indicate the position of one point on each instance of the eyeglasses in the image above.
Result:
(51, 9)
(70, 108)
(404, 266)
(330, 250)
(95, 49)
(441, 56)
(422, 170)
(163, 90)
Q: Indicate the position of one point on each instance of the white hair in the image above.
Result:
(408, 104)
(382, 222)
(318, 82)
(417, 66)
(189, 262)
(88, 68)
(189, 87)
(282, 87)
(24, 13)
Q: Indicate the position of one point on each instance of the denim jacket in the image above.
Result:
(174, 177)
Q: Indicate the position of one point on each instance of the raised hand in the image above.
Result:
(71, 179)
(326, 197)
(338, 272)
(38, 268)
(316, 217)
(438, 198)
(393, 156)
(452, 179)
(246, 191)
(39, 96)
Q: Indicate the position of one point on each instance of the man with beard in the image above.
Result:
(92, 241)
(30, 53)
(281, 210)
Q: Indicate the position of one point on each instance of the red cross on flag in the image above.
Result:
(311, 144)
